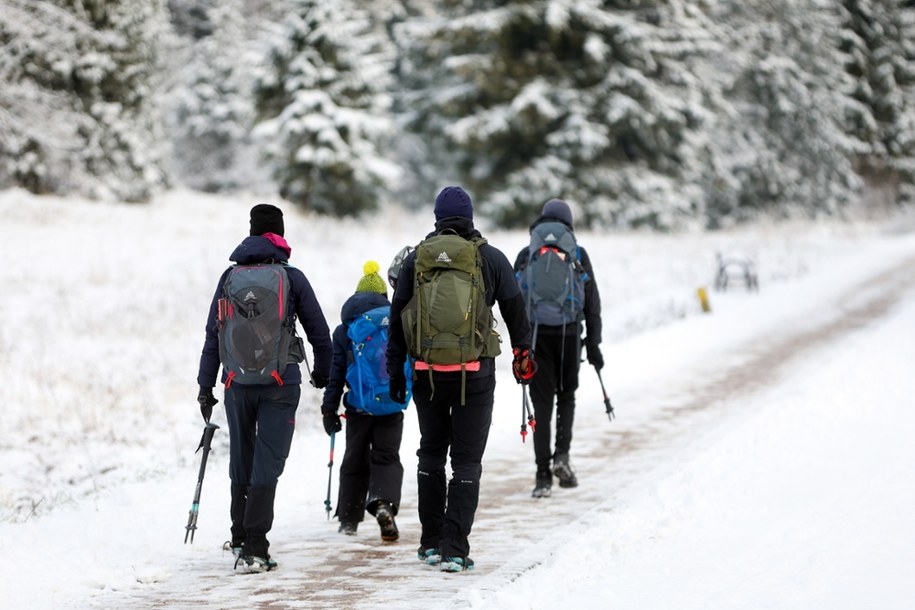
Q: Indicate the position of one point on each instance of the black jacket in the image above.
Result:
(501, 287)
(593, 325)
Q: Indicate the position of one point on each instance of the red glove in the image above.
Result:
(523, 365)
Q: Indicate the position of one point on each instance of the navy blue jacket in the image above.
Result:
(500, 284)
(354, 306)
(258, 249)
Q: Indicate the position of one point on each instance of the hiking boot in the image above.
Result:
(385, 517)
(563, 471)
(430, 556)
(544, 485)
(252, 563)
(235, 547)
(348, 527)
(456, 564)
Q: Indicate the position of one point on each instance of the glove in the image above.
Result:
(595, 358)
(523, 365)
(399, 388)
(332, 423)
(319, 381)
(206, 400)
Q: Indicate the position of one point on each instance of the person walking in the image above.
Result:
(250, 331)
(557, 279)
(371, 474)
(441, 315)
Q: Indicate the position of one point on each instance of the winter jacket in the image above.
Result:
(354, 307)
(592, 319)
(500, 284)
(260, 249)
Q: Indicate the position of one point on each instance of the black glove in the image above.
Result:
(332, 423)
(319, 381)
(523, 365)
(595, 358)
(399, 388)
(206, 400)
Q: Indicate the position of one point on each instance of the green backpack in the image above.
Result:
(447, 321)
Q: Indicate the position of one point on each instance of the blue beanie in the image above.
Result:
(453, 201)
(558, 209)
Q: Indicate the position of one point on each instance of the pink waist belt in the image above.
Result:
(473, 365)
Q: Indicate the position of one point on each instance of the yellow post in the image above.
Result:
(703, 300)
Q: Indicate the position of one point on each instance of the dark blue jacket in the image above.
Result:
(501, 287)
(258, 249)
(354, 306)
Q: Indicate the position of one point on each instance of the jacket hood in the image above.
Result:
(360, 303)
(261, 249)
(461, 226)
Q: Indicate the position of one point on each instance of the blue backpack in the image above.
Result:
(366, 373)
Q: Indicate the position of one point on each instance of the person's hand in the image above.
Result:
(399, 388)
(319, 381)
(206, 400)
(523, 365)
(595, 358)
(332, 423)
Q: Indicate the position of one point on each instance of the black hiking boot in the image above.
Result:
(254, 556)
(544, 485)
(384, 514)
(456, 564)
(563, 471)
(431, 556)
(348, 527)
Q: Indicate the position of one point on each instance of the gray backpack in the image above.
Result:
(553, 281)
(257, 337)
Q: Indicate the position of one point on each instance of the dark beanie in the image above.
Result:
(266, 218)
(558, 209)
(453, 201)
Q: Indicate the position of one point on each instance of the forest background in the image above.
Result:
(669, 114)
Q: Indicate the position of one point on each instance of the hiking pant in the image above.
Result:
(446, 513)
(371, 471)
(558, 360)
(261, 422)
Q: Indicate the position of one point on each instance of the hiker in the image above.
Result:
(557, 280)
(447, 287)
(371, 474)
(250, 330)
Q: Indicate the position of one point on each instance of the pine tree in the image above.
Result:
(785, 147)
(321, 107)
(211, 108)
(91, 65)
(595, 102)
(880, 42)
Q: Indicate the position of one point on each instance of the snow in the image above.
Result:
(761, 456)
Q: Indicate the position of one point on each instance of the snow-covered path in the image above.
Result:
(665, 425)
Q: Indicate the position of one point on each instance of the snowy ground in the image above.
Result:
(761, 457)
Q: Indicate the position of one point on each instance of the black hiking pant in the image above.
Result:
(446, 512)
(558, 360)
(261, 422)
(371, 471)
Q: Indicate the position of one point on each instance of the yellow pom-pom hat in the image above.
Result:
(371, 281)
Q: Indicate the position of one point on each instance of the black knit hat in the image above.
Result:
(558, 209)
(453, 201)
(266, 218)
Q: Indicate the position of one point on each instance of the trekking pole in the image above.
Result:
(330, 466)
(607, 404)
(527, 417)
(205, 441)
